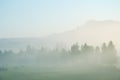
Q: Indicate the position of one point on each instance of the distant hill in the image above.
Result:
(93, 32)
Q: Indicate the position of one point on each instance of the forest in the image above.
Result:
(78, 60)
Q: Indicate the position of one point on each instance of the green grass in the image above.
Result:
(36, 74)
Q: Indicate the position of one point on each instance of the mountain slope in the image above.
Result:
(93, 32)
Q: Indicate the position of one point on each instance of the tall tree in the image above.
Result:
(104, 48)
(87, 49)
(75, 49)
(97, 50)
(109, 53)
(112, 58)
(111, 48)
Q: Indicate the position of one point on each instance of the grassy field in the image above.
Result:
(36, 74)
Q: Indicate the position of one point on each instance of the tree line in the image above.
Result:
(107, 52)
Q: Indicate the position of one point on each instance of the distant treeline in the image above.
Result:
(108, 52)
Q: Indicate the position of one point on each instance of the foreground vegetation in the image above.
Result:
(31, 74)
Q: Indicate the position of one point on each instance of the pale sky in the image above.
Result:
(34, 18)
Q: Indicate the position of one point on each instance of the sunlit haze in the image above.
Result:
(59, 39)
(36, 18)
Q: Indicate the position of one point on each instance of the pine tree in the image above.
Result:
(75, 49)
(112, 58)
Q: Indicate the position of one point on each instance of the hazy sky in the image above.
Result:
(28, 18)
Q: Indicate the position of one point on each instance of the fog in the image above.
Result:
(94, 32)
(59, 40)
(79, 62)
(85, 53)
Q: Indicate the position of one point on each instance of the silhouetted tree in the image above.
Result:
(97, 50)
(75, 49)
(104, 48)
(29, 49)
(111, 48)
(87, 49)
(109, 53)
